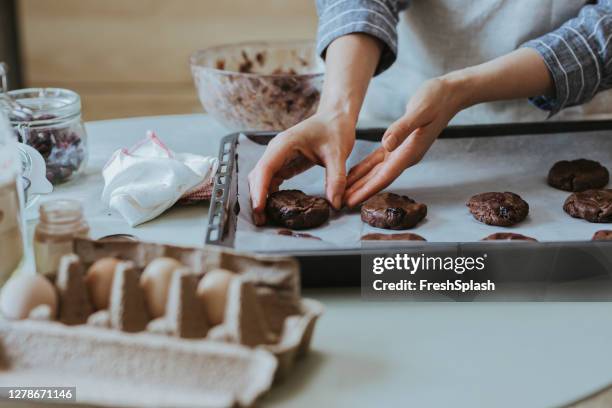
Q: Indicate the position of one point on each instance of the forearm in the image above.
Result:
(519, 74)
(578, 56)
(350, 63)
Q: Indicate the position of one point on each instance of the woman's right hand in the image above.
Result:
(325, 139)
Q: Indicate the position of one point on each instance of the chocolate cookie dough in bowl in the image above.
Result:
(259, 85)
(501, 209)
(392, 211)
(590, 205)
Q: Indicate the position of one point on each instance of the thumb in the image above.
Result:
(417, 144)
(335, 181)
(261, 178)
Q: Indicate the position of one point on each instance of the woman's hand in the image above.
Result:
(325, 139)
(519, 74)
(406, 141)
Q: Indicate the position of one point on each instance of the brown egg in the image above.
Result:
(155, 280)
(25, 292)
(99, 281)
(212, 291)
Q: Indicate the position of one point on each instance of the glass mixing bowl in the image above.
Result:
(259, 85)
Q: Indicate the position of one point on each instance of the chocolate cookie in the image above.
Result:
(591, 205)
(602, 235)
(501, 209)
(578, 175)
(508, 236)
(392, 211)
(406, 236)
(296, 210)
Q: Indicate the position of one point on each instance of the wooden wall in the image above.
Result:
(130, 57)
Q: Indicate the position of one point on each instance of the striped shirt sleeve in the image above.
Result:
(377, 18)
(579, 57)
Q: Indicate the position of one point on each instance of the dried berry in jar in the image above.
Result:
(55, 130)
(61, 147)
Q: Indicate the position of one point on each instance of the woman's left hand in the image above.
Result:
(519, 74)
(406, 141)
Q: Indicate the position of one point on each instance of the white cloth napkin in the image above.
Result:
(142, 182)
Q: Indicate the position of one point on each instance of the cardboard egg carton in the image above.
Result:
(112, 355)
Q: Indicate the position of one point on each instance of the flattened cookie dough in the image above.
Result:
(578, 175)
(293, 234)
(602, 235)
(405, 236)
(295, 210)
(591, 205)
(501, 209)
(508, 236)
(392, 211)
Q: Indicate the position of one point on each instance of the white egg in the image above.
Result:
(25, 292)
(99, 280)
(212, 291)
(155, 281)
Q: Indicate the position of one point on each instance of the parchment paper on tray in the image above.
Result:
(452, 171)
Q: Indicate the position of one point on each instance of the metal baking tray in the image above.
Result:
(542, 261)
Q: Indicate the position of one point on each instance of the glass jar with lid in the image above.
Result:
(61, 221)
(11, 224)
(54, 127)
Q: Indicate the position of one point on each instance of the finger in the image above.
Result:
(293, 167)
(275, 184)
(417, 115)
(335, 180)
(361, 182)
(399, 130)
(406, 155)
(287, 171)
(260, 179)
(409, 153)
(384, 175)
(412, 150)
(363, 167)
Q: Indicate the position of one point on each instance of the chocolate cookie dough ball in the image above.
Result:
(501, 209)
(392, 211)
(295, 210)
(578, 175)
(590, 205)
(406, 236)
(602, 235)
(508, 236)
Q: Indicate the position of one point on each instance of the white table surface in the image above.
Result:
(388, 353)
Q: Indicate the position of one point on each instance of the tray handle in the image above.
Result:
(221, 223)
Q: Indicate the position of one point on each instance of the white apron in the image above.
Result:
(439, 36)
